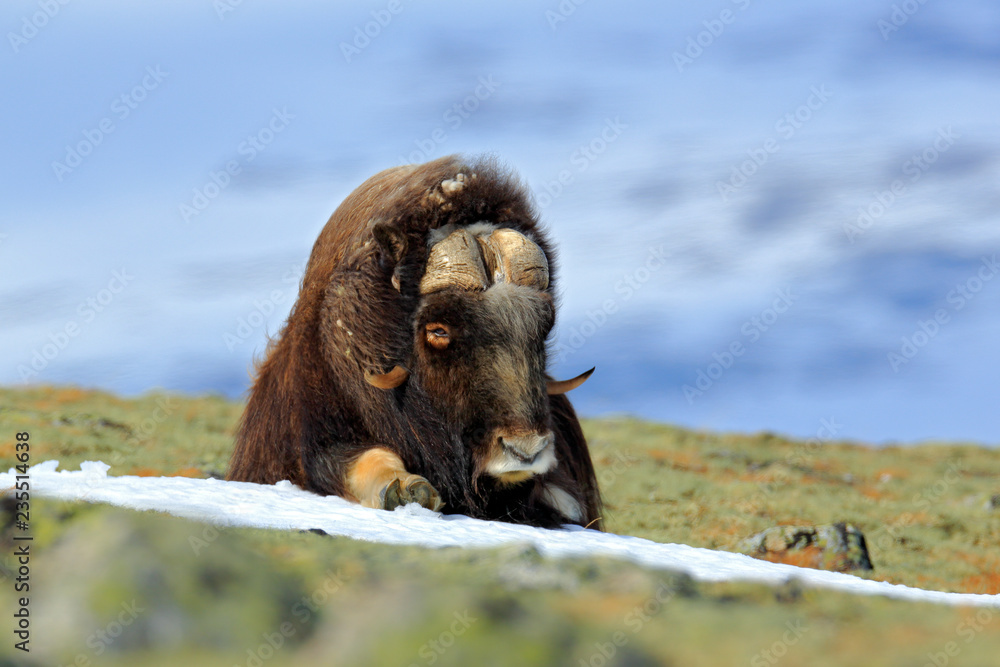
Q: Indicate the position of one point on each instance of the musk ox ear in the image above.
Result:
(390, 380)
(553, 387)
(390, 240)
(393, 245)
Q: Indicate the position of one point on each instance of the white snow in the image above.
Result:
(285, 506)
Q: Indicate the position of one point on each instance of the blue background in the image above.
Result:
(696, 91)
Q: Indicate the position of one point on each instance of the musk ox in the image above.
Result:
(412, 366)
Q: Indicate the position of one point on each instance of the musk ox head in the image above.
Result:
(483, 315)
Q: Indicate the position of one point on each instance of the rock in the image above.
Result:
(994, 502)
(839, 547)
(525, 568)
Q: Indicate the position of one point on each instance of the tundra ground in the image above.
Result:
(115, 587)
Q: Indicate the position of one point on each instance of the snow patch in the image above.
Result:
(92, 468)
(285, 506)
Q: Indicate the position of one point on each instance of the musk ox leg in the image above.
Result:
(379, 479)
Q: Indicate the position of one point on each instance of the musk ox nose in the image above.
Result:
(526, 448)
(521, 455)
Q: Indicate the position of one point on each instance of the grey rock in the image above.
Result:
(840, 547)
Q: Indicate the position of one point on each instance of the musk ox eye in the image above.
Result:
(437, 335)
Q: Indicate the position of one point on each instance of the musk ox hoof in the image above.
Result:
(415, 490)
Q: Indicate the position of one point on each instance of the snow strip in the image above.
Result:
(286, 507)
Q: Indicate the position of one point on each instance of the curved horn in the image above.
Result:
(553, 387)
(390, 380)
(454, 262)
(511, 257)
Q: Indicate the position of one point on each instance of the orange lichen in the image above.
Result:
(871, 493)
(987, 583)
(682, 460)
(187, 472)
(69, 395)
(811, 557)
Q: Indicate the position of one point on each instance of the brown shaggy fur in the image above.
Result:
(311, 412)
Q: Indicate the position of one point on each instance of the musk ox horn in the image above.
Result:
(390, 380)
(511, 257)
(454, 262)
(553, 387)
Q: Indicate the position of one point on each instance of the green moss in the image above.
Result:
(157, 433)
(924, 509)
(668, 484)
